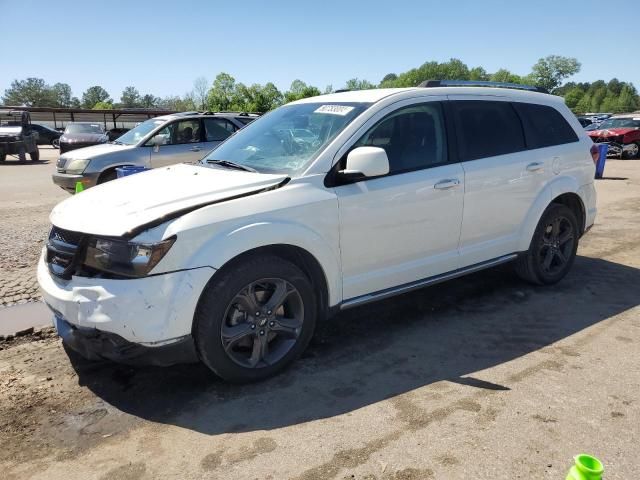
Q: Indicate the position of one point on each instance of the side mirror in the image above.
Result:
(156, 142)
(365, 162)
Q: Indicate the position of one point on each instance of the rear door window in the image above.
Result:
(218, 129)
(486, 129)
(544, 126)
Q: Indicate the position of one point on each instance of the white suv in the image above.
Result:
(323, 204)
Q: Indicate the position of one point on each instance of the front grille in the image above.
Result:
(63, 251)
(609, 139)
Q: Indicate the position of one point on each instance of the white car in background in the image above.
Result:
(233, 261)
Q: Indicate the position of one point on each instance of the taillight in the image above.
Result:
(595, 153)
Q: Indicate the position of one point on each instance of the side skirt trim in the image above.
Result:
(407, 287)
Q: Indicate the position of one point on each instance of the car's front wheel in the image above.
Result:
(632, 150)
(553, 247)
(255, 319)
(55, 143)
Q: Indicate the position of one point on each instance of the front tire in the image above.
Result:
(634, 151)
(55, 143)
(253, 320)
(35, 156)
(553, 247)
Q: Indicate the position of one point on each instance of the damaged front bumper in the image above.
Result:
(93, 344)
(125, 319)
(617, 149)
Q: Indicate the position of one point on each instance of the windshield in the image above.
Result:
(287, 139)
(133, 136)
(620, 123)
(84, 128)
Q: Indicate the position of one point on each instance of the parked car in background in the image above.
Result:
(47, 135)
(325, 204)
(585, 121)
(621, 133)
(17, 136)
(114, 133)
(82, 134)
(158, 142)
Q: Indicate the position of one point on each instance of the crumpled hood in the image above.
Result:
(118, 207)
(95, 150)
(610, 132)
(83, 137)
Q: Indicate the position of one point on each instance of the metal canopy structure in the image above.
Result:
(59, 117)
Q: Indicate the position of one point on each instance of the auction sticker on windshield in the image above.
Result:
(334, 109)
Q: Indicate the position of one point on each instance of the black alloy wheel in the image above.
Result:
(254, 317)
(553, 247)
(262, 323)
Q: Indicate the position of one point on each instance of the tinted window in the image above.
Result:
(217, 129)
(544, 126)
(414, 137)
(486, 129)
(245, 120)
(184, 131)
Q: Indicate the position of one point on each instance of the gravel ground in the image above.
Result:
(28, 195)
(482, 377)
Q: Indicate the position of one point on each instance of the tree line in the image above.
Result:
(225, 94)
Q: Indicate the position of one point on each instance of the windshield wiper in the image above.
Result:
(229, 164)
(116, 142)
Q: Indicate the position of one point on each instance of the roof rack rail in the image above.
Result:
(340, 90)
(480, 83)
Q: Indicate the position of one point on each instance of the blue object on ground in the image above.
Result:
(603, 148)
(129, 170)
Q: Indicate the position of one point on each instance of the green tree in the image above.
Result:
(149, 101)
(549, 72)
(628, 100)
(573, 97)
(478, 73)
(130, 98)
(32, 92)
(388, 79)
(103, 106)
(357, 84)
(222, 94)
(61, 94)
(299, 90)
(94, 95)
(257, 98)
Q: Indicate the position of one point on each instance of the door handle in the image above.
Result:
(535, 166)
(446, 184)
(195, 149)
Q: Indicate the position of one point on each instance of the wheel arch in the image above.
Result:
(300, 257)
(564, 190)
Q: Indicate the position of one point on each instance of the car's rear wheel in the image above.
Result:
(35, 156)
(553, 247)
(255, 319)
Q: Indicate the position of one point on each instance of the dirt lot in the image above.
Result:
(27, 195)
(483, 377)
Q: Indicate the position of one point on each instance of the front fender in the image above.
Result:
(556, 187)
(135, 156)
(227, 245)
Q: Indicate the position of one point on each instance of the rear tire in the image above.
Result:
(35, 156)
(242, 345)
(553, 247)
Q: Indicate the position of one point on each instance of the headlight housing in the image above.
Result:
(76, 165)
(125, 258)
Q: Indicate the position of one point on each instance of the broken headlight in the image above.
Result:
(121, 257)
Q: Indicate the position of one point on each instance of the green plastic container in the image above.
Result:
(586, 468)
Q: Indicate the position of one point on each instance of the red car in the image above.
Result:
(622, 133)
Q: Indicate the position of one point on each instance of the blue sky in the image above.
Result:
(162, 46)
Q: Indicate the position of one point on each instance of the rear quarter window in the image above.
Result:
(544, 126)
(486, 129)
